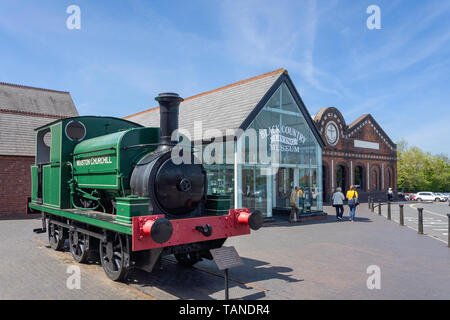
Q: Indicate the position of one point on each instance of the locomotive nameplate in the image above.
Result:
(226, 258)
(93, 161)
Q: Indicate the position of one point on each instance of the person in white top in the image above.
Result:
(390, 194)
(338, 202)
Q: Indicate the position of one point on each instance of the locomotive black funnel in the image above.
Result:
(168, 112)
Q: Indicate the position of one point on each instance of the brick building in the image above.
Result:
(22, 109)
(359, 154)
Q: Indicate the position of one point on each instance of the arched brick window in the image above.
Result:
(375, 179)
(390, 178)
(359, 177)
(341, 177)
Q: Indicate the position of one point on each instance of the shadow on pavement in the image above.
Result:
(331, 218)
(204, 280)
(21, 217)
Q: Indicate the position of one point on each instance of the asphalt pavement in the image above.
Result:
(435, 219)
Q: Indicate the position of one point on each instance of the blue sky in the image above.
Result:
(127, 52)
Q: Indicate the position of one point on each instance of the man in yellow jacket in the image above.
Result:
(294, 204)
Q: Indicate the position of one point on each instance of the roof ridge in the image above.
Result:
(34, 114)
(30, 87)
(234, 84)
(141, 112)
(359, 119)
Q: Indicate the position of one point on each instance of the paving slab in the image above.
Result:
(309, 260)
(329, 259)
(30, 270)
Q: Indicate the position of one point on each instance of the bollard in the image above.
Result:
(401, 215)
(448, 243)
(389, 211)
(368, 202)
(379, 208)
(420, 213)
(226, 285)
(371, 205)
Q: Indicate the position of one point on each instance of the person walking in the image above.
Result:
(338, 202)
(294, 204)
(352, 197)
(390, 194)
(301, 204)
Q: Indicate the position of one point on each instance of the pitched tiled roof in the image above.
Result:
(17, 135)
(223, 108)
(26, 99)
(22, 109)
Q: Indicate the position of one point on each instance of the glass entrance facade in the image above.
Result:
(296, 160)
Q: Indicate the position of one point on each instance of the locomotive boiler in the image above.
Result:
(111, 188)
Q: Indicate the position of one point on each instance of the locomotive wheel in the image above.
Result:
(112, 257)
(188, 259)
(55, 236)
(79, 246)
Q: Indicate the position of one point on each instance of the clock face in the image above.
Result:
(332, 133)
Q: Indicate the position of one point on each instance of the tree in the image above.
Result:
(421, 171)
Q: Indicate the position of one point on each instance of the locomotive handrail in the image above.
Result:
(140, 145)
(152, 144)
(47, 163)
(91, 151)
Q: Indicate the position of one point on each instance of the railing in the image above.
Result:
(376, 203)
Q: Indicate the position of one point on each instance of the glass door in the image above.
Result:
(284, 185)
(304, 184)
(260, 191)
(254, 189)
(248, 186)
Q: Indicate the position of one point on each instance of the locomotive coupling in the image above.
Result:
(159, 230)
(254, 219)
(206, 230)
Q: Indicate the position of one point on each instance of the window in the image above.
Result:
(44, 138)
(75, 130)
(359, 176)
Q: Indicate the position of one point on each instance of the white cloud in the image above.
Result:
(276, 34)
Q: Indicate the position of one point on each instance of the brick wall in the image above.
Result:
(15, 185)
(378, 166)
(370, 187)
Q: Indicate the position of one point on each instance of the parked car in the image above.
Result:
(442, 197)
(426, 196)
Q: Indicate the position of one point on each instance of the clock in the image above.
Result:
(332, 133)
